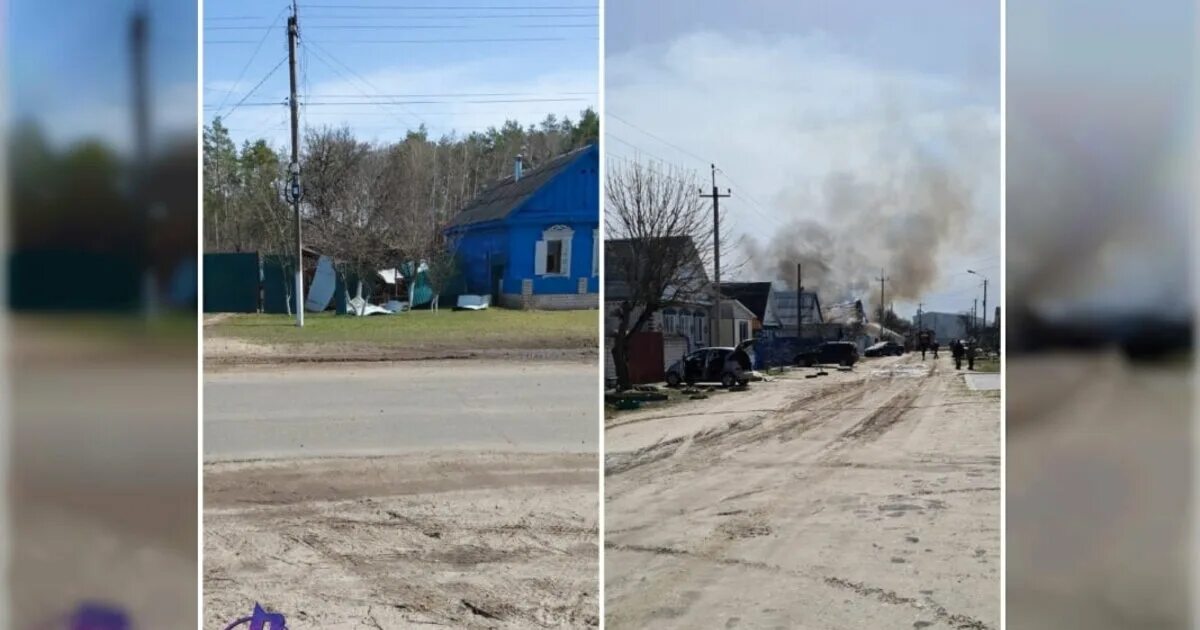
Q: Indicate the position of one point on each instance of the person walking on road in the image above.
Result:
(956, 349)
(935, 349)
(970, 352)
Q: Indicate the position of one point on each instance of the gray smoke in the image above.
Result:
(900, 217)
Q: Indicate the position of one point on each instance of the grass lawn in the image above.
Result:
(987, 365)
(491, 328)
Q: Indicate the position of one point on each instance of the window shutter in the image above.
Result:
(539, 259)
(566, 257)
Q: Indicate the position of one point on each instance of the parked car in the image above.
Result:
(884, 349)
(835, 352)
(727, 366)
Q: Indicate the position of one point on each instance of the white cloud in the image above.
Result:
(781, 115)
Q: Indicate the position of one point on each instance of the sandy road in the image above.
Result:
(864, 499)
(481, 513)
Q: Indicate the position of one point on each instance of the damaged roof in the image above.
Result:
(752, 295)
(501, 199)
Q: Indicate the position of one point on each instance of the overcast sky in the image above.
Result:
(385, 67)
(787, 97)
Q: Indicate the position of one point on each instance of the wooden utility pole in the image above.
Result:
(293, 33)
(716, 198)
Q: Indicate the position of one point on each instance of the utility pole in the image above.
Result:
(293, 33)
(985, 304)
(716, 197)
(974, 315)
(139, 34)
(799, 302)
(920, 312)
(882, 279)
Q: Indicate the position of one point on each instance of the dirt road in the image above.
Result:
(451, 529)
(1100, 480)
(863, 499)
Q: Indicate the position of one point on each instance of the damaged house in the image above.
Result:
(682, 325)
(532, 239)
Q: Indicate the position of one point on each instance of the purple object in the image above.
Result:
(261, 620)
(99, 617)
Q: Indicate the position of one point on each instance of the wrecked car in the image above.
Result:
(724, 365)
(884, 349)
(842, 353)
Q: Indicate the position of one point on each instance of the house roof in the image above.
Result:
(785, 309)
(846, 313)
(618, 252)
(502, 198)
(752, 295)
(733, 309)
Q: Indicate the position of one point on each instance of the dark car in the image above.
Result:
(727, 366)
(884, 349)
(829, 352)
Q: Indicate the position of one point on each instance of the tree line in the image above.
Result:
(369, 206)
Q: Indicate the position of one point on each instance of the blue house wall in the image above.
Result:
(572, 199)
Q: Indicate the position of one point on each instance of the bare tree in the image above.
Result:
(442, 269)
(660, 240)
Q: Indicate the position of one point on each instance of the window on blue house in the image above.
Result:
(553, 255)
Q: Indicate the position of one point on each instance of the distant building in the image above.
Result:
(669, 334)
(532, 239)
(945, 326)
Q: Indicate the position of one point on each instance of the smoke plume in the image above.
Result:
(898, 218)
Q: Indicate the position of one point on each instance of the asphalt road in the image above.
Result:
(261, 412)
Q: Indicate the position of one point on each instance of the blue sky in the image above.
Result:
(363, 63)
(69, 67)
(785, 95)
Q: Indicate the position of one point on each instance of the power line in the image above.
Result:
(253, 56)
(659, 138)
(327, 58)
(425, 41)
(401, 27)
(457, 94)
(481, 40)
(757, 208)
(484, 7)
(437, 101)
(483, 16)
(255, 88)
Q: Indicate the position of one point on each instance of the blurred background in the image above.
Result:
(1100, 303)
(100, 132)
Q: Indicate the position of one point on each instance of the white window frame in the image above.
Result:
(562, 233)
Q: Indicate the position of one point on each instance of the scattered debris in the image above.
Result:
(473, 302)
(320, 292)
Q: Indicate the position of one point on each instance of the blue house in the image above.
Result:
(531, 240)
